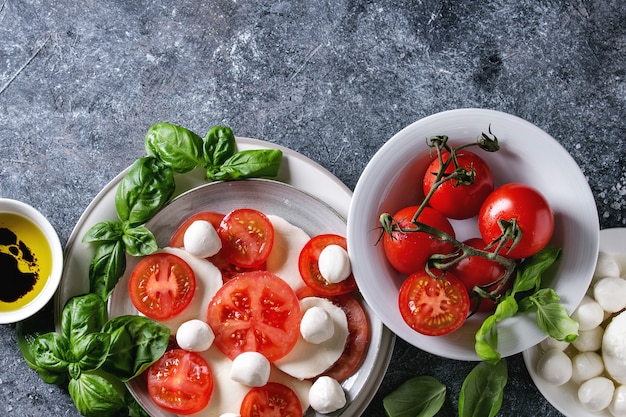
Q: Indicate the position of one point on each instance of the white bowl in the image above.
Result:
(528, 155)
(35, 257)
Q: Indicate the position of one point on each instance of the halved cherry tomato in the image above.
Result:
(255, 311)
(271, 400)
(247, 237)
(454, 200)
(408, 252)
(432, 306)
(528, 207)
(308, 264)
(180, 382)
(161, 286)
(476, 271)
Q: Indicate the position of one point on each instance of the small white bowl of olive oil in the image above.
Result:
(31, 261)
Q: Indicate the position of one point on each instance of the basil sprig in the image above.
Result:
(150, 184)
(421, 396)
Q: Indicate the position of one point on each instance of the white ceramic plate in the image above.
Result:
(528, 155)
(565, 398)
(316, 185)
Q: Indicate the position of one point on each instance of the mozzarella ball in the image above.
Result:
(201, 239)
(555, 367)
(334, 264)
(589, 340)
(326, 395)
(586, 365)
(610, 293)
(596, 394)
(316, 325)
(618, 404)
(551, 343)
(251, 369)
(195, 335)
(606, 266)
(589, 314)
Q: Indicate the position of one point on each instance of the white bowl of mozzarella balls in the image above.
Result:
(593, 367)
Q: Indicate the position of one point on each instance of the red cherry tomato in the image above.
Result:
(528, 207)
(255, 311)
(271, 400)
(247, 237)
(431, 306)
(308, 264)
(408, 252)
(476, 271)
(161, 286)
(181, 382)
(454, 200)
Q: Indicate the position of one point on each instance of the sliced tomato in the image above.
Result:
(358, 338)
(255, 311)
(181, 382)
(161, 286)
(247, 237)
(308, 264)
(432, 306)
(271, 400)
(178, 238)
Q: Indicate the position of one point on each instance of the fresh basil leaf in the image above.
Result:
(139, 241)
(219, 145)
(95, 396)
(30, 328)
(91, 350)
(552, 318)
(506, 308)
(483, 389)
(250, 163)
(82, 315)
(136, 343)
(107, 231)
(486, 339)
(530, 270)
(175, 146)
(145, 189)
(107, 266)
(51, 352)
(134, 409)
(422, 396)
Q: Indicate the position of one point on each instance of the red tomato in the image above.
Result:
(255, 311)
(358, 338)
(271, 400)
(528, 207)
(177, 240)
(454, 200)
(431, 306)
(247, 237)
(476, 271)
(408, 252)
(181, 382)
(161, 286)
(309, 267)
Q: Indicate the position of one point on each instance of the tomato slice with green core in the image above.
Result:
(180, 382)
(431, 306)
(255, 311)
(247, 237)
(308, 265)
(271, 400)
(161, 286)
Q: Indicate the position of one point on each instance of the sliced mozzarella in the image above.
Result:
(589, 340)
(195, 335)
(334, 264)
(201, 239)
(307, 360)
(231, 415)
(596, 394)
(586, 365)
(610, 293)
(589, 314)
(614, 348)
(327, 395)
(555, 367)
(288, 243)
(208, 281)
(251, 369)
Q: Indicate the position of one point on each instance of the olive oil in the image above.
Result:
(25, 261)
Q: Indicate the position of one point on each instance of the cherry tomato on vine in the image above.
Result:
(161, 286)
(528, 207)
(432, 306)
(308, 265)
(476, 271)
(408, 252)
(180, 382)
(271, 400)
(454, 200)
(247, 237)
